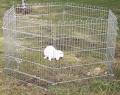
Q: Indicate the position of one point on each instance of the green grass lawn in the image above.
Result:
(95, 87)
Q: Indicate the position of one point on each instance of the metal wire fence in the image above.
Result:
(86, 35)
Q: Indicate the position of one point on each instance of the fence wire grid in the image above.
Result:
(86, 35)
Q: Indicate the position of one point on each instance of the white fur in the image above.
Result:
(51, 53)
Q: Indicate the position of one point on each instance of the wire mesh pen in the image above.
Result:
(86, 35)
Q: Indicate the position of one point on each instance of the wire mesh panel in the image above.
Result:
(85, 34)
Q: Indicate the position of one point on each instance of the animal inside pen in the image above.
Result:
(84, 34)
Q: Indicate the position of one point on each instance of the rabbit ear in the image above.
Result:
(60, 52)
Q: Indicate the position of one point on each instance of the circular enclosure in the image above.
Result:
(86, 35)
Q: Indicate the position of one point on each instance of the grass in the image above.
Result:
(95, 87)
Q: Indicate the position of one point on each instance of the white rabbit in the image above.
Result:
(51, 53)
